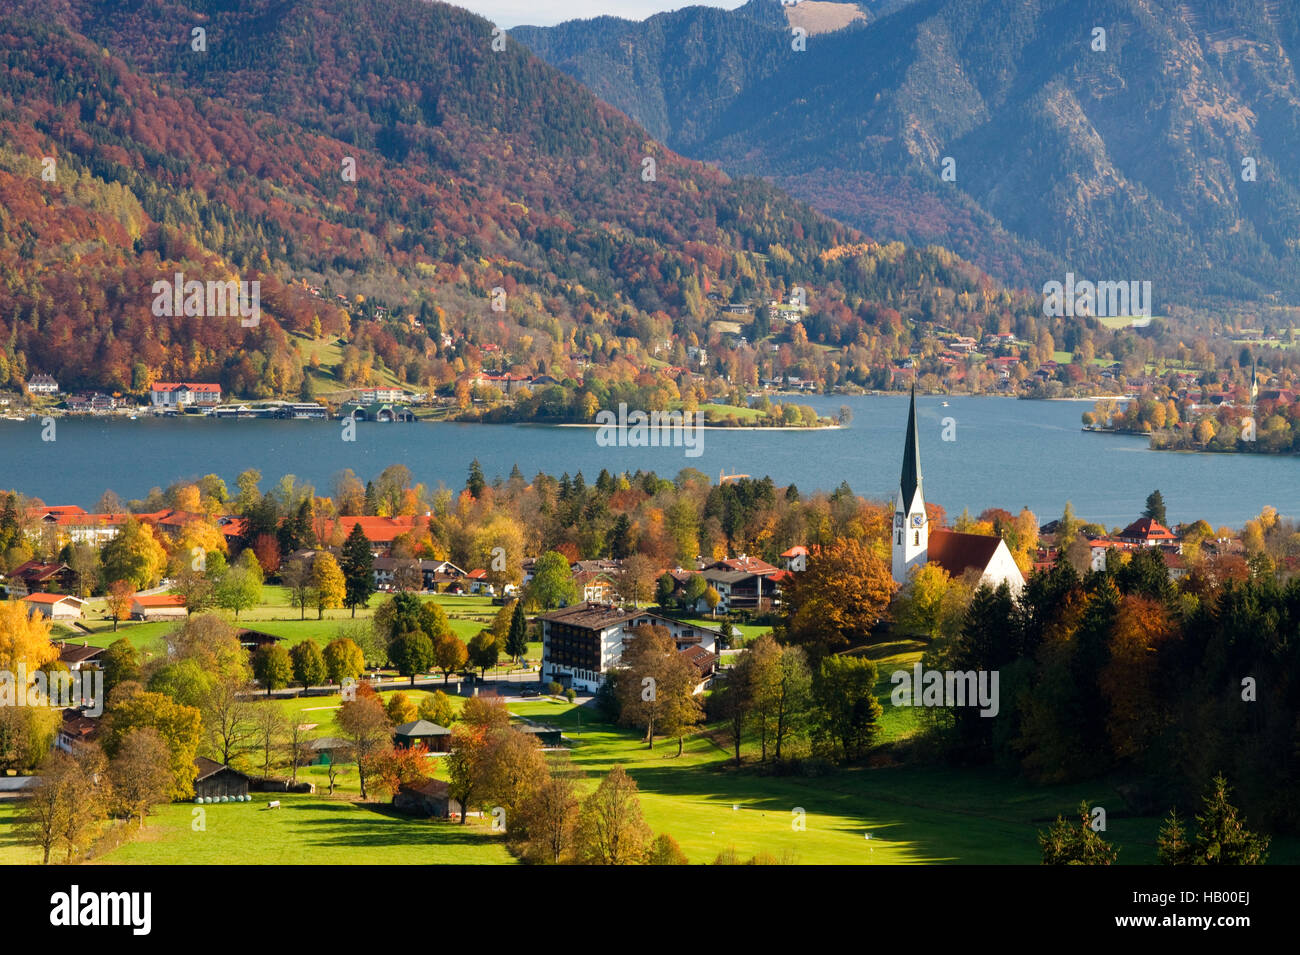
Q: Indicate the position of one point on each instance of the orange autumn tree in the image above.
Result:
(1128, 679)
(837, 601)
(118, 600)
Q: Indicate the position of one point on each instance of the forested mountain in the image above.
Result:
(1127, 162)
(223, 154)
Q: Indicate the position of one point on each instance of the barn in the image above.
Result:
(213, 780)
(437, 739)
(430, 797)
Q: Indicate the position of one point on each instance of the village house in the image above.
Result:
(742, 583)
(34, 576)
(158, 607)
(583, 642)
(476, 582)
(434, 574)
(75, 729)
(254, 640)
(436, 739)
(1146, 532)
(705, 664)
(505, 382)
(42, 385)
(77, 657)
(175, 395)
(69, 524)
(94, 403)
(380, 531)
(370, 396)
(54, 606)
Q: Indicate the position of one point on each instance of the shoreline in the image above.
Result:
(702, 427)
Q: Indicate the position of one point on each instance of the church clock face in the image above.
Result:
(898, 520)
(918, 520)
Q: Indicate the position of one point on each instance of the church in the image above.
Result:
(915, 544)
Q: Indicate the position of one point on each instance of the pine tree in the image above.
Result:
(1066, 843)
(517, 638)
(1221, 835)
(358, 567)
(1155, 508)
(476, 483)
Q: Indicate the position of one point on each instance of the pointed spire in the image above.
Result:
(911, 480)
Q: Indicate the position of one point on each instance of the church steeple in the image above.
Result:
(911, 538)
(911, 479)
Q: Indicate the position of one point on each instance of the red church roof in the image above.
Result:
(957, 553)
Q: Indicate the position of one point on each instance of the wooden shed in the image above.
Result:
(213, 780)
(437, 739)
(431, 797)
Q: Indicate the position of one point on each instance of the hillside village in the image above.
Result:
(747, 354)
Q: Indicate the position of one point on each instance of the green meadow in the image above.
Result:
(879, 813)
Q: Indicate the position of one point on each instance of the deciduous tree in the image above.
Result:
(610, 829)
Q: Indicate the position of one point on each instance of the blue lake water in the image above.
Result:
(1006, 453)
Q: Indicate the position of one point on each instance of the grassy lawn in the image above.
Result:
(306, 830)
(276, 615)
(715, 411)
(329, 353)
(13, 849)
(914, 814)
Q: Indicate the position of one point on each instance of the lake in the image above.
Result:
(1005, 453)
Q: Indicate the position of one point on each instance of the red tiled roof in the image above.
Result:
(161, 600)
(55, 509)
(1147, 529)
(191, 385)
(49, 599)
(377, 529)
(957, 553)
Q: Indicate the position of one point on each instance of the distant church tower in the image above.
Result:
(911, 527)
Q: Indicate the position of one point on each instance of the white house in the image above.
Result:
(42, 385)
(54, 606)
(179, 394)
(583, 642)
(158, 607)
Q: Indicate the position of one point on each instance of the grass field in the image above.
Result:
(913, 814)
(276, 615)
(306, 830)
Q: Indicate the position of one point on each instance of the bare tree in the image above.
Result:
(140, 772)
(295, 744)
(228, 718)
(270, 725)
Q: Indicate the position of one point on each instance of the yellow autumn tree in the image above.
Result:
(24, 638)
